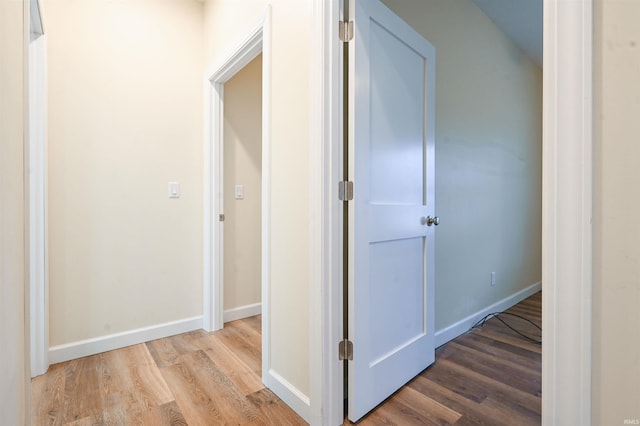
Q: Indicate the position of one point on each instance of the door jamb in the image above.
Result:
(566, 213)
(567, 208)
(257, 40)
(37, 193)
(326, 215)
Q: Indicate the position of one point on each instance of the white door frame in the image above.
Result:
(258, 40)
(567, 192)
(326, 372)
(37, 193)
(566, 215)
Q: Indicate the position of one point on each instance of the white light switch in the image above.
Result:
(239, 192)
(174, 190)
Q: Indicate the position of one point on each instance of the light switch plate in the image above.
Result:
(174, 190)
(239, 192)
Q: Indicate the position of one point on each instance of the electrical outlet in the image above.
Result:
(493, 279)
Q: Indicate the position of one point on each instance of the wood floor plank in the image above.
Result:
(471, 412)
(226, 359)
(512, 412)
(82, 389)
(272, 410)
(47, 397)
(426, 406)
(168, 414)
(398, 413)
(85, 421)
(504, 321)
(500, 369)
(525, 357)
(205, 395)
(456, 380)
(248, 333)
(255, 322)
(138, 378)
(166, 351)
(496, 388)
(498, 332)
(237, 340)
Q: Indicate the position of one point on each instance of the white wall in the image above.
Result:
(616, 309)
(125, 118)
(13, 334)
(243, 166)
(226, 25)
(488, 157)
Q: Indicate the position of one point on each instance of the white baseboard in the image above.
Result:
(242, 312)
(292, 396)
(462, 326)
(110, 342)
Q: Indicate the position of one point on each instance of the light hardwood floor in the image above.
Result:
(489, 376)
(195, 378)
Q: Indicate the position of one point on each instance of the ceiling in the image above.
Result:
(521, 20)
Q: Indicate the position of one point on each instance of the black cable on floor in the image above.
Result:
(496, 315)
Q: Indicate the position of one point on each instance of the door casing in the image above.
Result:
(256, 41)
(36, 212)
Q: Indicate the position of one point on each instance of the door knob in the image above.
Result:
(431, 220)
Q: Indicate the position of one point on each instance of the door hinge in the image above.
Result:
(345, 190)
(345, 31)
(221, 218)
(345, 350)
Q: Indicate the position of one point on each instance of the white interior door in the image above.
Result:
(391, 218)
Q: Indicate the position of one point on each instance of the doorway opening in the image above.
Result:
(519, 264)
(567, 234)
(240, 204)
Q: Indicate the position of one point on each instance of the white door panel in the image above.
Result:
(391, 249)
(395, 285)
(392, 222)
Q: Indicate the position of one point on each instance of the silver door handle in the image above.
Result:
(431, 220)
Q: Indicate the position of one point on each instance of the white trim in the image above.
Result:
(240, 312)
(459, 328)
(239, 57)
(110, 342)
(326, 221)
(289, 394)
(266, 192)
(566, 212)
(256, 41)
(37, 210)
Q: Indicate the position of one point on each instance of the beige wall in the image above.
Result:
(226, 25)
(125, 104)
(243, 166)
(125, 118)
(616, 306)
(13, 333)
(488, 157)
